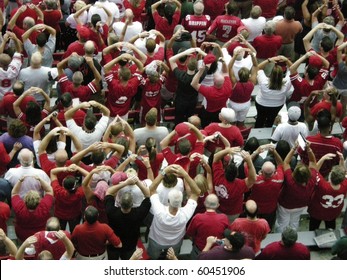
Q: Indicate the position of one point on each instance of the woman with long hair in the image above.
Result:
(149, 150)
(273, 90)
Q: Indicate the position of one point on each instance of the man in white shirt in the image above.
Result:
(255, 23)
(169, 222)
(27, 170)
(128, 28)
(97, 9)
(92, 129)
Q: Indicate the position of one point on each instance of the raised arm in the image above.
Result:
(221, 154)
(16, 104)
(69, 247)
(180, 172)
(9, 245)
(97, 75)
(195, 82)
(27, 243)
(71, 112)
(252, 175)
(79, 12)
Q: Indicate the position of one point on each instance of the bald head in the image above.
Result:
(268, 169)
(26, 157)
(211, 202)
(251, 208)
(198, 8)
(61, 157)
(218, 80)
(89, 47)
(53, 224)
(195, 120)
(28, 22)
(36, 60)
(256, 12)
(5, 60)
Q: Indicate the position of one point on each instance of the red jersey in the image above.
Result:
(327, 203)
(5, 213)
(78, 117)
(197, 26)
(82, 92)
(27, 13)
(76, 47)
(230, 194)
(266, 191)
(151, 94)
(303, 88)
(216, 97)
(225, 27)
(119, 96)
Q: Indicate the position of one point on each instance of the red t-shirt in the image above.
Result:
(267, 46)
(67, 206)
(52, 19)
(214, 8)
(205, 225)
(197, 26)
(162, 25)
(9, 99)
(225, 26)
(294, 195)
(76, 47)
(4, 159)
(137, 11)
(29, 222)
(78, 117)
(231, 133)
(324, 105)
(230, 194)
(242, 92)
(254, 231)
(95, 37)
(268, 7)
(119, 96)
(216, 97)
(27, 13)
(266, 191)
(5, 213)
(159, 55)
(155, 165)
(30, 132)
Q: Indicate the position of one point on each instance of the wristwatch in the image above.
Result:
(162, 172)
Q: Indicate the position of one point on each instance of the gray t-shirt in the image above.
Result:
(320, 34)
(35, 77)
(47, 56)
(141, 135)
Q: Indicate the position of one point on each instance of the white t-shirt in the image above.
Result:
(167, 229)
(290, 133)
(254, 26)
(112, 7)
(83, 19)
(86, 138)
(132, 30)
(136, 192)
(268, 97)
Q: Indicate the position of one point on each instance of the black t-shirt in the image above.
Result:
(126, 225)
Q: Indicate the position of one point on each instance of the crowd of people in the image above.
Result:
(81, 176)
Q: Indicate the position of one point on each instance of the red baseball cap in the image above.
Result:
(315, 61)
(83, 32)
(210, 58)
